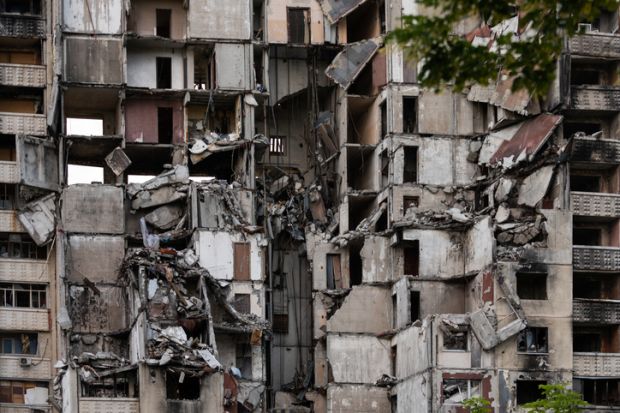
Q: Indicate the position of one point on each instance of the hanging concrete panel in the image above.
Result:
(232, 66)
(337, 9)
(94, 60)
(217, 19)
(38, 163)
(98, 258)
(93, 209)
(348, 64)
(93, 16)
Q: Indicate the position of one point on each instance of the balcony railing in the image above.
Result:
(594, 204)
(22, 124)
(596, 311)
(9, 221)
(22, 26)
(10, 366)
(22, 75)
(24, 408)
(589, 258)
(596, 98)
(596, 45)
(589, 149)
(109, 405)
(9, 172)
(596, 364)
(24, 319)
(23, 270)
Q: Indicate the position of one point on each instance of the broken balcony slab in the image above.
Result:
(159, 196)
(337, 9)
(348, 64)
(534, 187)
(39, 219)
(93, 209)
(118, 161)
(165, 217)
(502, 95)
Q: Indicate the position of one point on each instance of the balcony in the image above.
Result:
(592, 204)
(39, 370)
(589, 149)
(109, 405)
(602, 45)
(22, 26)
(9, 221)
(22, 75)
(596, 364)
(22, 124)
(587, 258)
(24, 319)
(24, 408)
(9, 172)
(595, 98)
(23, 270)
(596, 311)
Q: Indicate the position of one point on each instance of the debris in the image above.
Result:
(39, 219)
(534, 187)
(348, 64)
(118, 161)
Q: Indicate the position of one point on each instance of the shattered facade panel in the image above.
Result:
(287, 221)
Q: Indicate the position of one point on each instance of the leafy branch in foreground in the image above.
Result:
(558, 398)
(529, 56)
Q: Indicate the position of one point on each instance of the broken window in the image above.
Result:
(455, 340)
(241, 271)
(163, 17)
(333, 272)
(414, 306)
(280, 323)
(410, 167)
(298, 25)
(164, 125)
(585, 183)
(277, 145)
(587, 236)
(410, 202)
(454, 391)
(84, 127)
(529, 390)
(18, 343)
(23, 295)
(180, 386)
(409, 114)
(532, 286)
(163, 72)
(122, 384)
(584, 77)
(242, 303)
(411, 258)
(601, 392)
(533, 340)
(243, 359)
(8, 196)
(12, 391)
(20, 246)
(571, 128)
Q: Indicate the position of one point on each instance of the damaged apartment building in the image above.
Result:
(286, 221)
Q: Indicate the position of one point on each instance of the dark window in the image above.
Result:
(454, 391)
(584, 287)
(18, 343)
(455, 340)
(409, 114)
(298, 25)
(164, 125)
(242, 303)
(163, 22)
(571, 128)
(584, 342)
(410, 202)
(241, 270)
(586, 236)
(334, 277)
(280, 323)
(533, 340)
(277, 145)
(529, 391)
(243, 359)
(584, 77)
(355, 265)
(414, 306)
(532, 286)
(163, 69)
(411, 258)
(394, 311)
(410, 170)
(601, 392)
(7, 196)
(182, 388)
(384, 121)
(23, 295)
(20, 246)
(585, 183)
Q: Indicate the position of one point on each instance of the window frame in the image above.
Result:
(535, 340)
(33, 290)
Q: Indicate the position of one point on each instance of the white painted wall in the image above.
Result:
(232, 65)
(107, 16)
(141, 70)
(358, 359)
(215, 252)
(217, 19)
(441, 252)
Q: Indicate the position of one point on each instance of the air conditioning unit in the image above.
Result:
(584, 28)
(25, 362)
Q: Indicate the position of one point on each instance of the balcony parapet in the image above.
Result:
(22, 124)
(22, 75)
(603, 45)
(595, 204)
(594, 150)
(39, 369)
(595, 98)
(596, 311)
(588, 258)
(24, 319)
(596, 364)
(109, 405)
(23, 270)
(22, 26)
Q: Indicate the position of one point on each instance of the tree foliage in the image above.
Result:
(478, 405)
(558, 398)
(530, 57)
